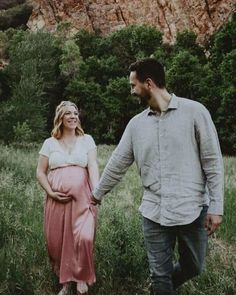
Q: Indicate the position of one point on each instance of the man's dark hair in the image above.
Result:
(149, 68)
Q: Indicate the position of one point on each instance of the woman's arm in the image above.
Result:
(93, 168)
(41, 174)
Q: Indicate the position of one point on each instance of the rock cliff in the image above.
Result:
(203, 17)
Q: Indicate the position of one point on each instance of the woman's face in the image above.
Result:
(70, 118)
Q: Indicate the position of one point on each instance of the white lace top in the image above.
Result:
(59, 157)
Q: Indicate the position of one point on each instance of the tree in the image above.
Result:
(88, 97)
(186, 40)
(222, 42)
(130, 43)
(34, 81)
(209, 89)
(184, 75)
(120, 108)
(88, 43)
(164, 55)
(15, 16)
(25, 106)
(44, 51)
(5, 4)
(226, 119)
(100, 70)
(70, 59)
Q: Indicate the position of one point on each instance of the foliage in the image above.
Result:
(88, 43)
(34, 82)
(100, 70)
(92, 71)
(131, 43)
(120, 107)
(4, 87)
(164, 55)
(15, 16)
(5, 4)
(184, 75)
(186, 40)
(25, 104)
(3, 44)
(22, 132)
(222, 42)
(70, 59)
(39, 48)
(226, 118)
(209, 90)
(88, 97)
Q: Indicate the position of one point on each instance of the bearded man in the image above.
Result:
(176, 149)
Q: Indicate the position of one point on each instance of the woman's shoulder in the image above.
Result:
(50, 143)
(48, 146)
(50, 140)
(86, 137)
(88, 140)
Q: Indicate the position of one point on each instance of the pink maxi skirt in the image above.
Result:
(70, 228)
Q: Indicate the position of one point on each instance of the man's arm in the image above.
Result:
(118, 164)
(212, 164)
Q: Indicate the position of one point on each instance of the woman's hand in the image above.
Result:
(60, 197)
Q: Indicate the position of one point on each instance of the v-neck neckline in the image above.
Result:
(63, 149)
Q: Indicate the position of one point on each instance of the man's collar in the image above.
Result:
(173, 104)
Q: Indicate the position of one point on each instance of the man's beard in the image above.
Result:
(144, 98)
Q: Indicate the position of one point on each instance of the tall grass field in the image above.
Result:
(121, 262)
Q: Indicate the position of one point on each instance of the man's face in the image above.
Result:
(139, 89)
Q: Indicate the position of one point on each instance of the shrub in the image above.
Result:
(15, 16)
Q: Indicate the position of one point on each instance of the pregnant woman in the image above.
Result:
(68, 171)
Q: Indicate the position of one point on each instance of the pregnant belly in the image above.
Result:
(69, 179)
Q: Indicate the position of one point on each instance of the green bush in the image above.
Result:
(34, 81)
(70, 60)
(25, 105)
(186, 40)
(91, 70)
(5, 4)
(15, 16)
(184, 75)
(22, 133)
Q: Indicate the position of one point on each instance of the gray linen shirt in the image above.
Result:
(178, 158)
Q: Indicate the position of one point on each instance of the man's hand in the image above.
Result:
(95, 201)
(212, 223)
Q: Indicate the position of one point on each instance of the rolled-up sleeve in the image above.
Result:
(121, 159)
(211, 160)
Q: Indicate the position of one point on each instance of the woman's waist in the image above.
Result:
(66, 165)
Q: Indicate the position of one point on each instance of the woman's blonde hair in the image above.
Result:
(58, 126)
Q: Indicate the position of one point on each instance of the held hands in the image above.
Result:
(95, 201)
(212, 223)
(60, 197)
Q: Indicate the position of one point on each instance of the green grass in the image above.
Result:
(121, 263)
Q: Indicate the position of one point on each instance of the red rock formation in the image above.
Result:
(203, 17)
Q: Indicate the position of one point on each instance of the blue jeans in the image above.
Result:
(160, 243)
